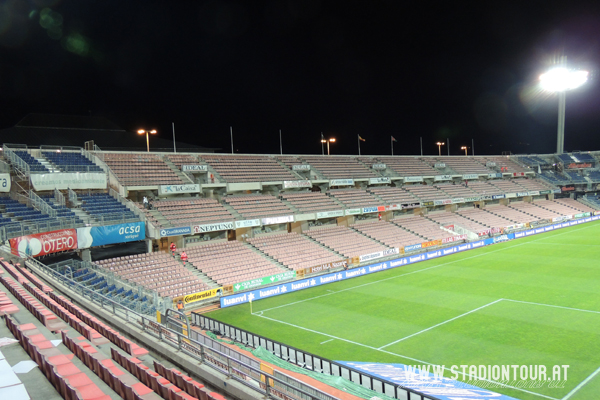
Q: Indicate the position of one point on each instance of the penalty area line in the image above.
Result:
(441, 323)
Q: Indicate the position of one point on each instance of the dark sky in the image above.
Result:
(439, 70)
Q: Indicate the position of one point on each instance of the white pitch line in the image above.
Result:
(582, 384)
(327, 341)
(422, 270)
(573, 244)
(402, 356)
(441, 323)
(551, 305)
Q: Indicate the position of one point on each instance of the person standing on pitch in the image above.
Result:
(180, 305)
(173, 247)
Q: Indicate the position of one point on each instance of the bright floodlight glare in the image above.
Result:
(561, 79)
(141, 131)
(332, 140)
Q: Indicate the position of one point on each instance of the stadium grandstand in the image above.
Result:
(153, 234)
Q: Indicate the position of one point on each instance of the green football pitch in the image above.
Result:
(531, 301)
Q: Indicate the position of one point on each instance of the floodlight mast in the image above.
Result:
(560, 80)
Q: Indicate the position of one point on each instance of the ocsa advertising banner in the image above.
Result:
(41, 244)
(92, 236)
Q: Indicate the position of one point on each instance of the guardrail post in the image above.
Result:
(267, 386)
(228, 367)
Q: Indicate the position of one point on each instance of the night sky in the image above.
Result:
(435, 70)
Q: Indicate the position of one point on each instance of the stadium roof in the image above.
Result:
(74, 130)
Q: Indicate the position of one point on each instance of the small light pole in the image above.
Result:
(331, 140)
(439, 145)
(143, 131)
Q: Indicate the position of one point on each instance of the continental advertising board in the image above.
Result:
(199, 296)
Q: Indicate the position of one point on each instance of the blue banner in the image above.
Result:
(102, 235)
(430, 383)
(412, 247)
(184, 230)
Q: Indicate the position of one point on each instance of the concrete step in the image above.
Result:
(268, 257)
(184, 177)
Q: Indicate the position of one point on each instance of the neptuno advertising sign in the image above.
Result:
(175, 189)
(442, 178)
(91, 236)
(296, 184)
(440, 165)
(379, 166)
(194, 168)
(341, 182)
(248, 223)
(41, 244)
(4, 183)
(470, 176)
(222, 226)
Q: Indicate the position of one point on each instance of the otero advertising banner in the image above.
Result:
(69, 180)
(41, 244)
(267, 280)
(4, 183)
(91, 236)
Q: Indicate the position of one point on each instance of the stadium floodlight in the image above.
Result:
(330, 140)
(143, 131)
(465, 148)
(559, 80)
(439, 145)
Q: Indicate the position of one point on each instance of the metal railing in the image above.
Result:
(22, 228)
(69, 267)
(235, 365)
(38, 203)
(59, 197)
(72, 197)
(16, 161)
(308, 360)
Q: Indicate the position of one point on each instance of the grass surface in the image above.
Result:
(366, 315)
